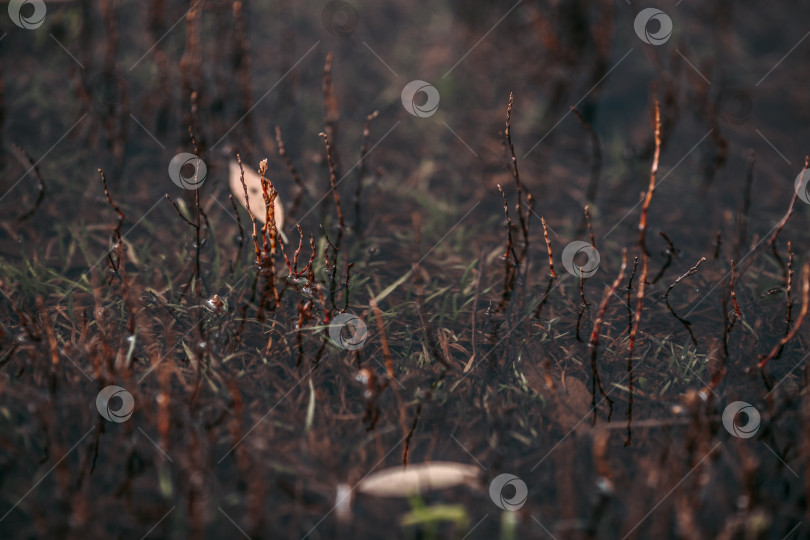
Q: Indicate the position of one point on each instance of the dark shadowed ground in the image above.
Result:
(163, 376)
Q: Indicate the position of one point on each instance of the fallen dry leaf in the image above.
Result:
(254, 189)
(569, 399)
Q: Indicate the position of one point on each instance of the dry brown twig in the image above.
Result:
(718, 243)
(552, 274)
(788, 290)
(587, 214)
(269, 195)
(241, 233)
(347, 287)
(645, 206)
(27, 161)
(363, 170)
(805, 297)
(629, 290)
(118, 266)
(389, 363)
(509, 273)
(331, 116)
(333, 187)
(783, 222)
(639, 305)
(270, 238)
(671, 250)
(593, 342)
(118, 244)
(729, 326)
(548, 247)
(692, 271)
(524, 226)
(250, 212)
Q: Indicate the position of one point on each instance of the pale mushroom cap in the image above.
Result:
(254, 189)
(418, 478)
